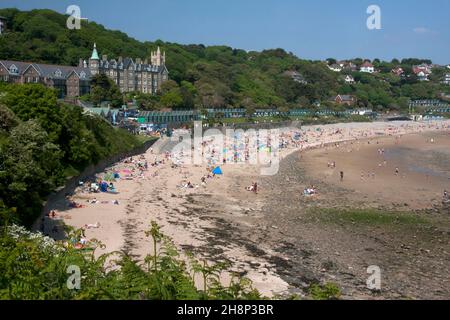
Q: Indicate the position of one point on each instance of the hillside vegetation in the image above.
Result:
(214, 76)
(42, 142)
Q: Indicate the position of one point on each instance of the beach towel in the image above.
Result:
(109, 177)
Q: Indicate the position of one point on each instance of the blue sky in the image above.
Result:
(316, 29)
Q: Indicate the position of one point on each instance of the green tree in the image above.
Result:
(104, 89)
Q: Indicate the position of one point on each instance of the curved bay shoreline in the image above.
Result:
(272, 238)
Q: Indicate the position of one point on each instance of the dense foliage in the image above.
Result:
(42, 142)
(36, 267)
(104, 89)
(215, 76)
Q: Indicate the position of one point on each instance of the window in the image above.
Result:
(13, 69)
(82, 74)
(58, 73)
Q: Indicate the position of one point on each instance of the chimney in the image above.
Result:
(146, 61)
(104, 57)
(138, 61)
(120, 59)
(80, 63)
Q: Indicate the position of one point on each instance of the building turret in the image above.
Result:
(94, 61)
(157, 58)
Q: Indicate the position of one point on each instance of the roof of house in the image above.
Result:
(335, 66)
(367, 64)
(99, 111)
(47, 70)
(126, 63)
(345, 97)
(143, 114)
(227, 110)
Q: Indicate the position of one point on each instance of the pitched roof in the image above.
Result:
(95, 53)
(335, 66)
(345, 97)
(167, 113)
(127, 62)
(47, 70)
(99, 110)
(367, 64)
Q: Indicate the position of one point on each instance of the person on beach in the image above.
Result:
(397, 171)
(342, 175)
(255, 187)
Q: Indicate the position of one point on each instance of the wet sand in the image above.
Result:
(423, 169)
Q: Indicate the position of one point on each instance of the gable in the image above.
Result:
(30, 69)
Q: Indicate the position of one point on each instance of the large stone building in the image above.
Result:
(73, 82)
(68, 81)
(140, 75)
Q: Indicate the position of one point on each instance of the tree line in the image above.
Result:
(43, 142)
(214, 76)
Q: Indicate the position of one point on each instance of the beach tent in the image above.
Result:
(104, 187)
(217, 170)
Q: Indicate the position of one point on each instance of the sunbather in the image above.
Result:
(92, 226)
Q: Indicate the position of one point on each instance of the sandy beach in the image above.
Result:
(274, 237)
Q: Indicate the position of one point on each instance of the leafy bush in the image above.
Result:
(40, 138)
(329, 291)
(36, 267)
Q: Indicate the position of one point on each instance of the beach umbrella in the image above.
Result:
(217, 170)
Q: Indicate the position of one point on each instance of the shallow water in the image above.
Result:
(434, 162)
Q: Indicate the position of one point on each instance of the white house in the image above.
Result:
(422, 76)
(335, 68)
(446, 79)
(349, 79)
(297, 77)
(367, 67)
